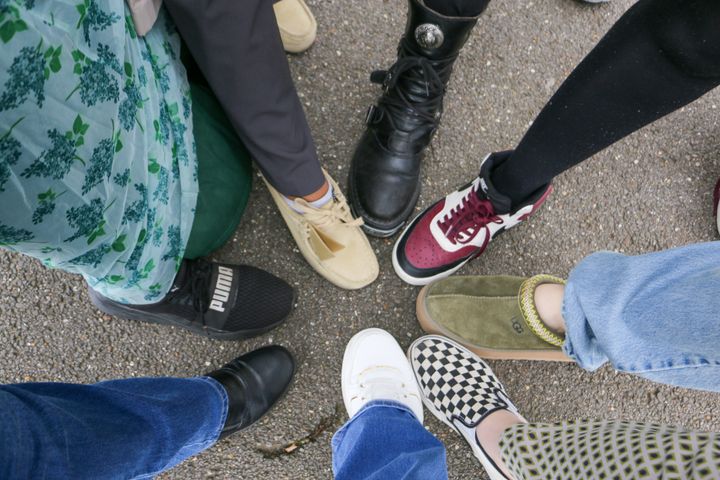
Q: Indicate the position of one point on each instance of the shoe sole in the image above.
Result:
(422, 281)
(485, 461)
(375, 232)
(430, 326)
(118, 310)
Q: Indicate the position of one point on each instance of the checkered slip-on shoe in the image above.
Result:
(460, 389)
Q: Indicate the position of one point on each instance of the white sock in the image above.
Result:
(315, 203)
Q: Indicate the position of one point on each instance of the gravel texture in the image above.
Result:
(649, 192)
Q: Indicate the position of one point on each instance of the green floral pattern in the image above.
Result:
(24, 76)
(97, 161)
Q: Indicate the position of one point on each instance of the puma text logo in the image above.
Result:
(222, 289)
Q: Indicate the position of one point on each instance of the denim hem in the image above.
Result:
(375, 404)
(669, 364)
(385, 403)
(225, 404)
(574, 316)
(200, 446)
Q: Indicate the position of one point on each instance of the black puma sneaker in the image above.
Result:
(225, 302)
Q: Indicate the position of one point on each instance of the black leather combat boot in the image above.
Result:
(384, 182)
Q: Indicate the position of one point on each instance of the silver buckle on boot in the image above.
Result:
(429, 35)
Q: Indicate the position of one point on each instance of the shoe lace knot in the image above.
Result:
(197, 286)
(337, 213)
(465, 219)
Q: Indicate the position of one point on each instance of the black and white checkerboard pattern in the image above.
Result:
(457, 383)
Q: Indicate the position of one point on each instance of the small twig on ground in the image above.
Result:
(325, 423)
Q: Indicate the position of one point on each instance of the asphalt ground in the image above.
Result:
(649, 192)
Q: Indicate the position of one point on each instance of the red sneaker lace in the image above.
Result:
(462, 222)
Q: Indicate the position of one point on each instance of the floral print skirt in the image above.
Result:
(98, 173)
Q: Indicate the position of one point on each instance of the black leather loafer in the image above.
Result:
(254, 383)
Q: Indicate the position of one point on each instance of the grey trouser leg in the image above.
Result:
(236, 44)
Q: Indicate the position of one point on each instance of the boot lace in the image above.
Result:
(467, 218)
(413, 70)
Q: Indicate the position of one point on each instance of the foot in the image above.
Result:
(384, 179)
(254, 382)
(548, 304)
(226, 302)
(462, 391)
(375, 368)
(458, 228)
(330, 239)
(297, 25)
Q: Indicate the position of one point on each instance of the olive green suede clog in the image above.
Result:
(494, 316)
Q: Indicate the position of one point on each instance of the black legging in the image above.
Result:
(660, 56)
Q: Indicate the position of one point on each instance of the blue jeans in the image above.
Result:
(133, 428)
(385, 440)
(655, 315)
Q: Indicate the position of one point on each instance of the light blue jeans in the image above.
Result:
(119, 429)
(385, 441)
(655, 315)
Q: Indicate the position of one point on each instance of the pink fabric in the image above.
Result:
(144, 14)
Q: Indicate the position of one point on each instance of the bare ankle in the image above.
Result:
(548, 301)
(490, 431)
(317, 194)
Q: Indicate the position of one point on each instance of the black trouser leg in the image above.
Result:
(238, 48)
(660, 56)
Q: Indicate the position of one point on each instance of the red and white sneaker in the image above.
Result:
(459, 227)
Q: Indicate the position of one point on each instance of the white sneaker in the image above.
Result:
(375, 368)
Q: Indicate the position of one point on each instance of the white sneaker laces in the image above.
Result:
(380, 383)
